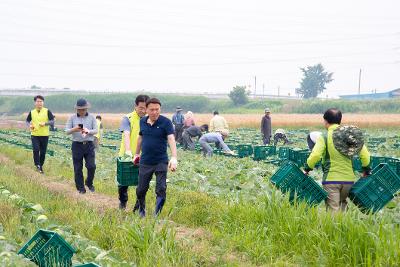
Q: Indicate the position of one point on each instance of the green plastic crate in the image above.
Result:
(244, 150)
(375, 191)
(392, 162)
(91, 264)
(283, 152)
(262, 152)
(47, 248)
(127, 173)
(290, 179)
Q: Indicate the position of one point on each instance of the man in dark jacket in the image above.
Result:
(192, 132)
(266, 128)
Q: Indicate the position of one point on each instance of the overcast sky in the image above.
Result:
(198, 46)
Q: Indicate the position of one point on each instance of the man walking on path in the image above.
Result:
(39, 119)
(338, 170)
(156, 132)
(192, 132)
(82, 126)
(266, 128)
(218, 139)
(99, 135)
(130, 127)
(178, 120)
(218, 123)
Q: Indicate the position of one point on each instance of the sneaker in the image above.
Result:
(39, 169)
(82, 192)
(91, 188)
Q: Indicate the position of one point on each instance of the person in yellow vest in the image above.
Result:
(99, 135)
(130, 127)
(39, 119)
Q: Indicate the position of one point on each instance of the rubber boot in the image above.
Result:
(159, 205)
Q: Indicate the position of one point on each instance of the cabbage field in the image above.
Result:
(220, 211)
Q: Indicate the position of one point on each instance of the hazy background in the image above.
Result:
(202, 46)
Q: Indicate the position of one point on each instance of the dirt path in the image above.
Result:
(197, 239)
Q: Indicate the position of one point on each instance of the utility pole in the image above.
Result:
(359, 82)
(263, 90)
(255, 86)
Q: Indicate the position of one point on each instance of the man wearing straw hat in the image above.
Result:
(336, 149)
(83, 127)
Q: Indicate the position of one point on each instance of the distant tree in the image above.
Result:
(35, 87)
(314, 80)
(239, 95)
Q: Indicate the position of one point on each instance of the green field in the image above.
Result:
(219, 212)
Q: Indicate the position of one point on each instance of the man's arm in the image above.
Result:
(29, 119)
(221, 142)
(93, 129)
(139, 145)
(173, 163)
(68, 126)
(316, 154)
(212, 125)
(262, 125)
(50, 116)
(225, 124)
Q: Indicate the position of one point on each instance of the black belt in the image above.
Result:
(84, 142)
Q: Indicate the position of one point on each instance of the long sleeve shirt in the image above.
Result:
(336, 167)
(215, 138)
(218, 123)
(266, 128)
(88, 121)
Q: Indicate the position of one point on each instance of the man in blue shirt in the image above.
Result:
(178, 120)
(156, 133)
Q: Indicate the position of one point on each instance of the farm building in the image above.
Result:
(391, 94)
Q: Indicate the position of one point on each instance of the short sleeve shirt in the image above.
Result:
(155, 140)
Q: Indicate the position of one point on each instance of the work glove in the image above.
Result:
(128, 153)
(173, 164)
(366, 172)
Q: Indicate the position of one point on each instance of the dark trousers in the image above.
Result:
(266, 140)
(145, 175)
(39, 147)
(187, 141)
(82, 151)
(178, 132)
(123, 193)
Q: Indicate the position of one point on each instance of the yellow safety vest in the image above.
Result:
(98, 129)
(37, 118)
(134, 120)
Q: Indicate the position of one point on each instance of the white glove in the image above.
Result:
(128, 153)
(173, 164)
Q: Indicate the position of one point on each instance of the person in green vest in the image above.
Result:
(337, 167)
(130, 128)
(99, 135)
(39, 119)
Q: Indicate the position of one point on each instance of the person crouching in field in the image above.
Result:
(190, 133)
(217, 138)
(130, 127)
(39, 119)
(82, 126)
(156, 132)
(336, 156)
